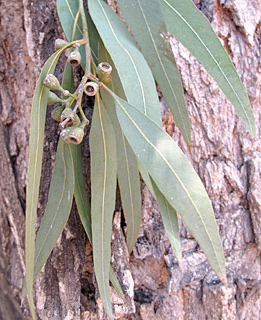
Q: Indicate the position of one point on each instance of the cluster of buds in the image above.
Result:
(74, 130)
(72, 127)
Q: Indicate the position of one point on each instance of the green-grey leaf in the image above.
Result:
(67, 10)
(170, 221)
(133, 70)
(80, 194)
(103, 193)
(128, 173)
(150, 33)
(38, 115)
(175, 178)
(115, 282)
(194, 31)
(58, 206)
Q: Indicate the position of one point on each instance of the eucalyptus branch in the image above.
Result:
(86, 36)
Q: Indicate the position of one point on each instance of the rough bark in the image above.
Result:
(226, 159)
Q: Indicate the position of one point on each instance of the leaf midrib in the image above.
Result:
(218, 65)
(103, 191)
(60, 201)
(70, 10)
(37, 146)
(127, 162)
(177, 177)
(134, 66)
(163, 68)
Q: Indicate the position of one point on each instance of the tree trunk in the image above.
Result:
(226, 159)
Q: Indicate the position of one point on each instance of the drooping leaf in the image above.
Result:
(128, 173)
(133, 70)
(175, 178)
(80, 194)
(34, 169)
(194, 31)
(67, 11)
(170, 221)
(58, 207)
(103, 193)
(150, 33)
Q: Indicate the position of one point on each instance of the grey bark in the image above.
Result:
(226, 159)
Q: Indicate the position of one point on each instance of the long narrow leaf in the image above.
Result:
(34, 169)
(150, 33)
(80, 194)
(58, 206)
(194, 31)
(103, 193)
(170, 221)
(128, 173)
(175, 178)
(133, 70)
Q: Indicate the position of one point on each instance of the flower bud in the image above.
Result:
(74, 121)
(104, 70)
(52, 82)
(56, 113)
(53, 98)
(60, 43)
(73, 134)
(74, 57)
(91, 88)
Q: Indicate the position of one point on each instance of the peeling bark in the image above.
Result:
(226, 159)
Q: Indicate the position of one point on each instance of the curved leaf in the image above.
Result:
(103, 193)
(67, 10)
(150, 33)
(38, 115)
(194, 31)
(175, 178)
(133, 70)
(58, 207)
(170, 221)
(128, 173)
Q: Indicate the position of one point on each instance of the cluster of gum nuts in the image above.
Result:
(70, 123)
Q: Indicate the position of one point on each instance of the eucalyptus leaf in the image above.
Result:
(38, 116)
(103, 194)
(150, 33)
(133, 70)
(170, 221)
(194, 31)
(175, 178)
(58, 207)
(128, 173)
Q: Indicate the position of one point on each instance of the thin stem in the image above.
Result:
(71, 95)
(86, 36)
(85, 120)
(79, 92)
(109, 91)
(75, 23)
